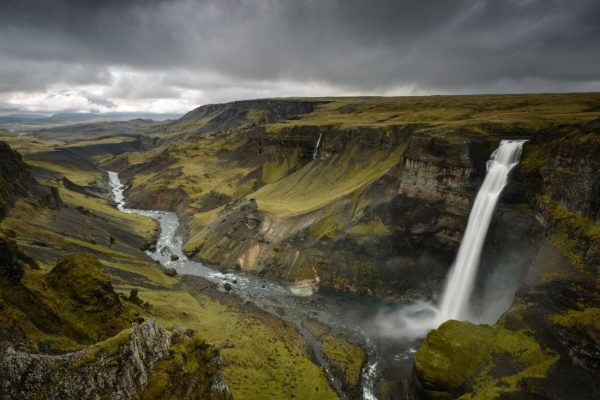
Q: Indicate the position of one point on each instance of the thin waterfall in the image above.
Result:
(461, 279)
(317, 146)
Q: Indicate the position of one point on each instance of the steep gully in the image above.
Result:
(349, 314)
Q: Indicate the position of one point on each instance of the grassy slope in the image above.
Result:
(287, 191)
(361, 149)
(548, 120)
(264, 355)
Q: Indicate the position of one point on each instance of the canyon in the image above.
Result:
(350, 202)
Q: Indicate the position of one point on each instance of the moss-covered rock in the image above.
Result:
(83, 294)
(192, 371)
(145, 361)
(346, 360)
(478, 361)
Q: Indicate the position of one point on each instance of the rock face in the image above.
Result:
(557, 308)
(404, 202)
(380, 208)
(377, 209)
(124, 367)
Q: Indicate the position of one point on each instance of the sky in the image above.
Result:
(171, 56)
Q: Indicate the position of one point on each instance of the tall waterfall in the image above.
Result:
(317, 146)
(461, 280)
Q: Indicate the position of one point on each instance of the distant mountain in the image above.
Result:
(41, 119)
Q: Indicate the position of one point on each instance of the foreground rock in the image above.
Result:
(146, 362)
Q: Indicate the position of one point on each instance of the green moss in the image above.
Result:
(283, 163)
(586, 317)
(318, 184)
(83, 294)
(187, 373)
(369, 228)
(263, 358)
(109, 347)
(582, 226)
(345, 358)
(461, 357)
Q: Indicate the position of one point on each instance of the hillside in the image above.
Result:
(363, 198)
(379, 206)
(75, 278)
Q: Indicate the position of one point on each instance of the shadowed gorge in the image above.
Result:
(276, 246)
(299, 200)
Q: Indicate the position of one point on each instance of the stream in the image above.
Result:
(350, 315)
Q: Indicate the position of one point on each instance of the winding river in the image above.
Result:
(388, 331)
(350, 315)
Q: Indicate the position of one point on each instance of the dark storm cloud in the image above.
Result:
(353, 45)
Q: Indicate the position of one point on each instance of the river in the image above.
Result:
(350, 315)
(389, 332)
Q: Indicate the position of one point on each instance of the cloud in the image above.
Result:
(157, 52)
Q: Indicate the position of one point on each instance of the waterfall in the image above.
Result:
(461, 279)
(317, 146)
(414, 320)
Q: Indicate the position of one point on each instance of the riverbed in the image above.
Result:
(349, 315)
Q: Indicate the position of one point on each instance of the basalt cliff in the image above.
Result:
(369, 196)
(372, 196)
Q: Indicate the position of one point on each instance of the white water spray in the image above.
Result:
(415, 320)
(317, 146)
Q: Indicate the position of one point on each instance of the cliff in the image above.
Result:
(556, 310)
(73, 305)
(383, 203)
(379, 207)
(144, 362)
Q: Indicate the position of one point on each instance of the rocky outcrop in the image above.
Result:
(128, 366)
(460, 357)
(13, 261)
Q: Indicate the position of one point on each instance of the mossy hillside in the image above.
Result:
(47, 234)
(187, 373)
(199, 168)
(15, 179)
(461, 359)
(448, 113)
(71, 305)
(262, 356)
(19, 320)
(145, 227)
(83, 293)
(282, 164)
(345, 358)
(85, 222)
(319, 183)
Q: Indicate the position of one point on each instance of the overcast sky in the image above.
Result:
(171, 56)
